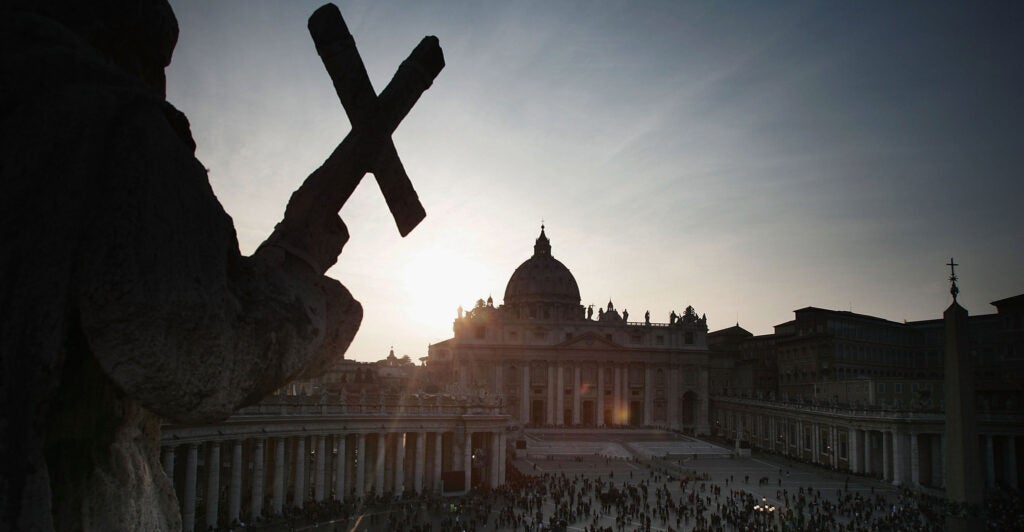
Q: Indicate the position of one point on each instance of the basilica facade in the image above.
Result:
(553, 362)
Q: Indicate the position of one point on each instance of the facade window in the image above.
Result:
(635, 338)
(480, 333)
(881, 387)
(659, 340)
(897, 387)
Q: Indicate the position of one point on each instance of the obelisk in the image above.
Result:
(963, 478)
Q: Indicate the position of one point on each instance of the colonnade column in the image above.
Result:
(990, 463)
(320, 489)
(421, 451)
(360, 465)
(560, 410)
(648, 395)
(672, 411)
(188, 512)
(468, 459)
(868, 467)
(340, 463)
(899, 460)
(502, 446)
(438, 462)
(551, 395)
(256, 504)
(299, 497)
(915, 459)
(576, 394)
(886, 455)
(168, 463)
(495, 458)
(1011, 461)
(939, 464)
(382, 447)
(853, 451)
(212, 483)
(399, 463)
(235, 496)
(277, 504)
(600, 397)
(524, 407)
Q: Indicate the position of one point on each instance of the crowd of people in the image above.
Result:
(648, 495)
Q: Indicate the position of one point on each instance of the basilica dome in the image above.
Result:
(542, 279)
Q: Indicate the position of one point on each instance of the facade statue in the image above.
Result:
(647, 317)
(126, 298)
(590, 312)
(625, 315)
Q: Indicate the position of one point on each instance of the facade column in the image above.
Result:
(617, 397)
(340, 463)
(299, 497)
(672, 410)
(320, 488)
(277, 503)
(886, 455)
(235, 494)
(399, 463)
(188, 512)
(168, 463)
(648, 395)
(421, 451)
(560, 413)
(468, 459)
(915, 460)
(360, 465)
(551, 395)
(256, 503)
(382, 453)
(499, 379)
(990, 463)
(524, 408)
(438, 481)
(1011, 461)
(599, 417)
(212, 483)
(576, 394)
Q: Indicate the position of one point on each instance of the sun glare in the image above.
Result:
(437, 283)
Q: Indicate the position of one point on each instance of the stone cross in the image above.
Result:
(311, 226)
(337, 50)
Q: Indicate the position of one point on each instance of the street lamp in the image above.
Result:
(765, 513)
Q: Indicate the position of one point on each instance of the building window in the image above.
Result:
(635, 338)
(480, 333)
(897, 387)
(659, 340)
(881, 387)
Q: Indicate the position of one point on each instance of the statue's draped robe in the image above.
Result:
(123, 294)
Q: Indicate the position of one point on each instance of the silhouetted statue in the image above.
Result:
(672, 317)
(125, 296)
(647, 317)
(625, 315)
(590, 312)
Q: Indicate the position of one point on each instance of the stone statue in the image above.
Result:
(625, 315)
(590, 312)
(460, 312)
(126, 298)
(647, 317)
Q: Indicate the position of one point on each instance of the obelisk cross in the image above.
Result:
(337, 50)
(953, 289)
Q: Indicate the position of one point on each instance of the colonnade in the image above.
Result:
(909, 451)
(247, 477)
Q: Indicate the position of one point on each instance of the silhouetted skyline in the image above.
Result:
(745, 159)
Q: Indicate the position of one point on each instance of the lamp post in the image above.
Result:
(765, 515)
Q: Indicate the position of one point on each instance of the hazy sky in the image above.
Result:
(748, 159)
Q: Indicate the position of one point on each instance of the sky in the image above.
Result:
(745, 158)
